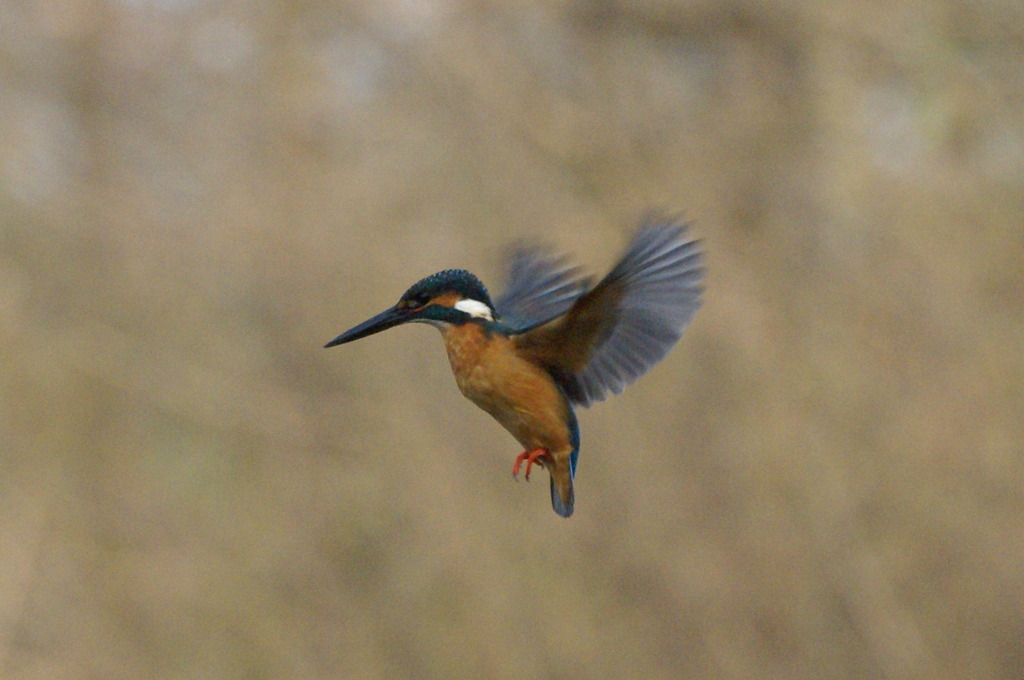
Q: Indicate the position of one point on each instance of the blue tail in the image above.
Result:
(565, 509)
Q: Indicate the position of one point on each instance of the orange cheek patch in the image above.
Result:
(446, 300)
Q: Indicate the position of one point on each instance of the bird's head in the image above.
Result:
(451, 297)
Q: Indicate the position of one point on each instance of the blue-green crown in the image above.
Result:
(450, 280)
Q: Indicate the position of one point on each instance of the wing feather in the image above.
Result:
(617, 331)
(539, 289)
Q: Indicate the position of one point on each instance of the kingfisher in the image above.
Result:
(553, 341)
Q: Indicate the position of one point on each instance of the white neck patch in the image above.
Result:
(475, 308)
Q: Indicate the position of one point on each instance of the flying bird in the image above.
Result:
(552, 341)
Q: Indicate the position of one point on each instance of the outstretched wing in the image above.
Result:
(539, 289)
(628, 322)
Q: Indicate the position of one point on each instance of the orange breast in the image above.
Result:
(519, 394)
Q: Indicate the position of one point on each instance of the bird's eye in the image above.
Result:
(411, 304)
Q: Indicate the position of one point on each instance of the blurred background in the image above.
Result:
(823, 480)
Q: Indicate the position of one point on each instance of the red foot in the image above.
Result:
(536, 456)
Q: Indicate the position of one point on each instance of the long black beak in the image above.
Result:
(389, 318)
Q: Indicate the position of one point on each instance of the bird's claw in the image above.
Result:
(531, 457)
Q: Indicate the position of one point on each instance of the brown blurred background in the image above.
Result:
(823, 480)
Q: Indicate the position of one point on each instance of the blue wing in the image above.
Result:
(628, 322)
(661, 277)
(539, 289)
